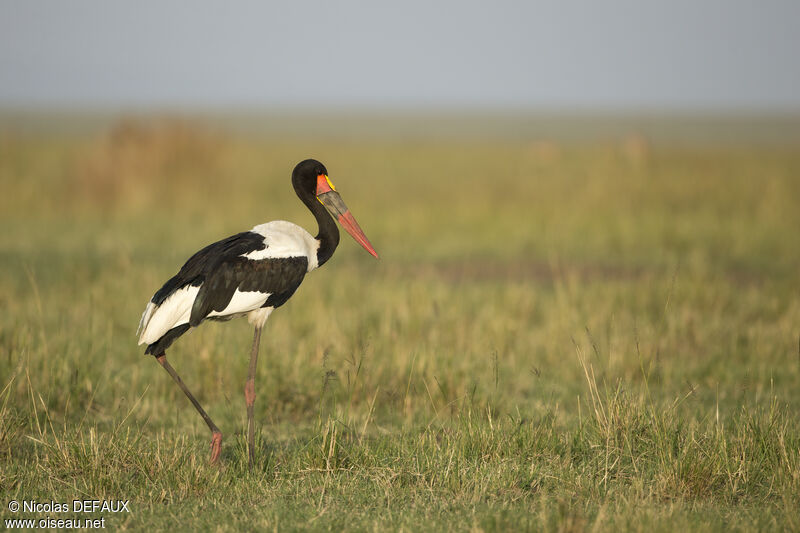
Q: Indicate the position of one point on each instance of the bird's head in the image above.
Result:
(310, 180)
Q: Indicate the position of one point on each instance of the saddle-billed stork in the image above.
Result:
(248, 274)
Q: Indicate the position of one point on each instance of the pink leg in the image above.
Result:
(216, 434)
(250, 397)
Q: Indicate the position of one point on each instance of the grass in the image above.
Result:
(559, 336)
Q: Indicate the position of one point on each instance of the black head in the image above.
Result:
(304, 177)
(314, 188)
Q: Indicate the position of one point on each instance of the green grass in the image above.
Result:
(558, 336)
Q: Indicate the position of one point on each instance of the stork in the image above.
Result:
(248, 274)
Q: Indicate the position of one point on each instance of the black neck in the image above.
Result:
(328, 235)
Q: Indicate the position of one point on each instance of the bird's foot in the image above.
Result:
(216, 447)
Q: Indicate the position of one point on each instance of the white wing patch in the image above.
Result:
(282, 239)
(285, 239)
(174, 311)
(242, 302)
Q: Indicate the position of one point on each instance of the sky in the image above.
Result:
(727, 55)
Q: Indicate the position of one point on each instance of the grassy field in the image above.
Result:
(560, 336)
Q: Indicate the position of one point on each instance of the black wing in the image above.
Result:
(220, 269)
(195, 271)
(279, 277)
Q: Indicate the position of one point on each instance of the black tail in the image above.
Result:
(161, 345)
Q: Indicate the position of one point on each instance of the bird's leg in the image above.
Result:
(216, 434)
(250, 396)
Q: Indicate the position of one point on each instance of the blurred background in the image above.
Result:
(544, 181)
(572, 56)
(587, 217)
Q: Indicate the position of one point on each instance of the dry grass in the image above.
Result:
(559, 336)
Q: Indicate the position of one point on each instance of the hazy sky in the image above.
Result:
(616, 54)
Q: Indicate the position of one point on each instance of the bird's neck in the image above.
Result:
(328, 235)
